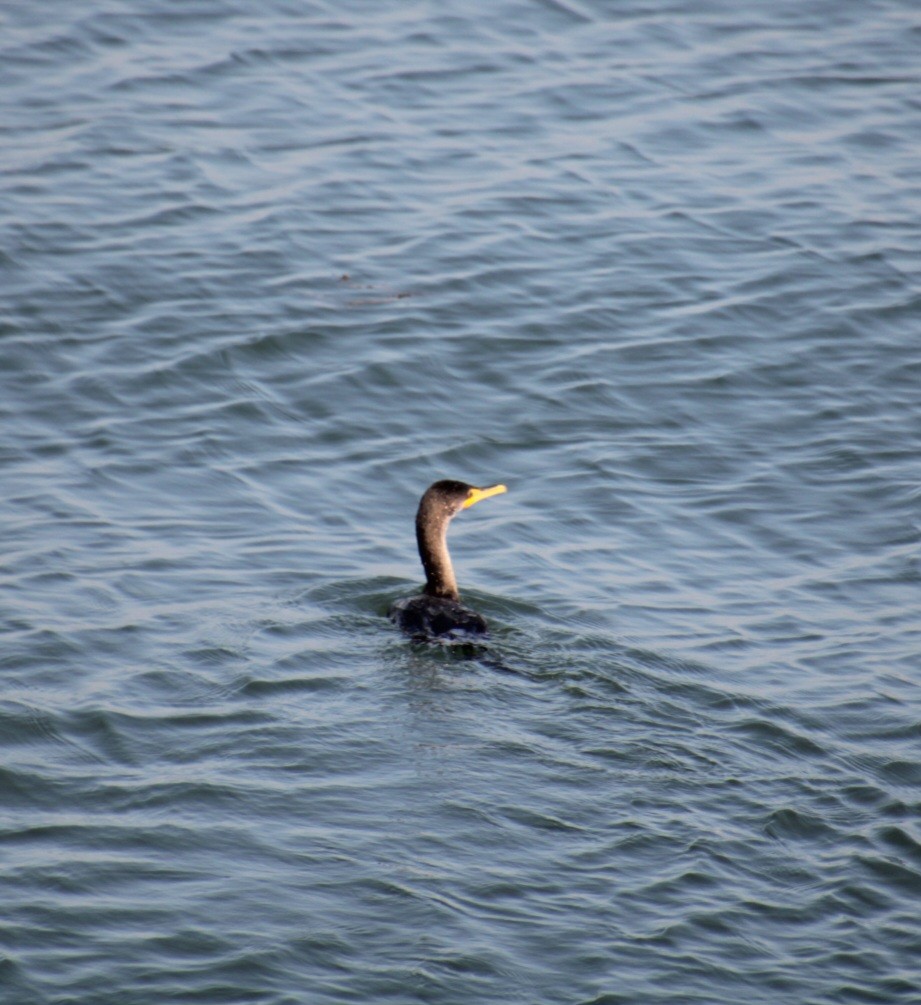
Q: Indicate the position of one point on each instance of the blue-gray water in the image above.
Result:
(268, 269)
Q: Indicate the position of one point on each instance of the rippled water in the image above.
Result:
(267, 271)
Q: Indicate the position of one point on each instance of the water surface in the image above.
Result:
(266, 273)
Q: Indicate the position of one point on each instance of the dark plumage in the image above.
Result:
(437, 612)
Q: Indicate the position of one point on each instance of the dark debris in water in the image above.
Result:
(371, 293)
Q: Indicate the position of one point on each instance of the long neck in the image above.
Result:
(431, 536)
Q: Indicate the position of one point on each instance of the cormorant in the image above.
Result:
(437, 612)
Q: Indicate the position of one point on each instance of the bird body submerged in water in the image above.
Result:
(437, 612)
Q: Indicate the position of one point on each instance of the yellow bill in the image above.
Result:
(475, 495)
